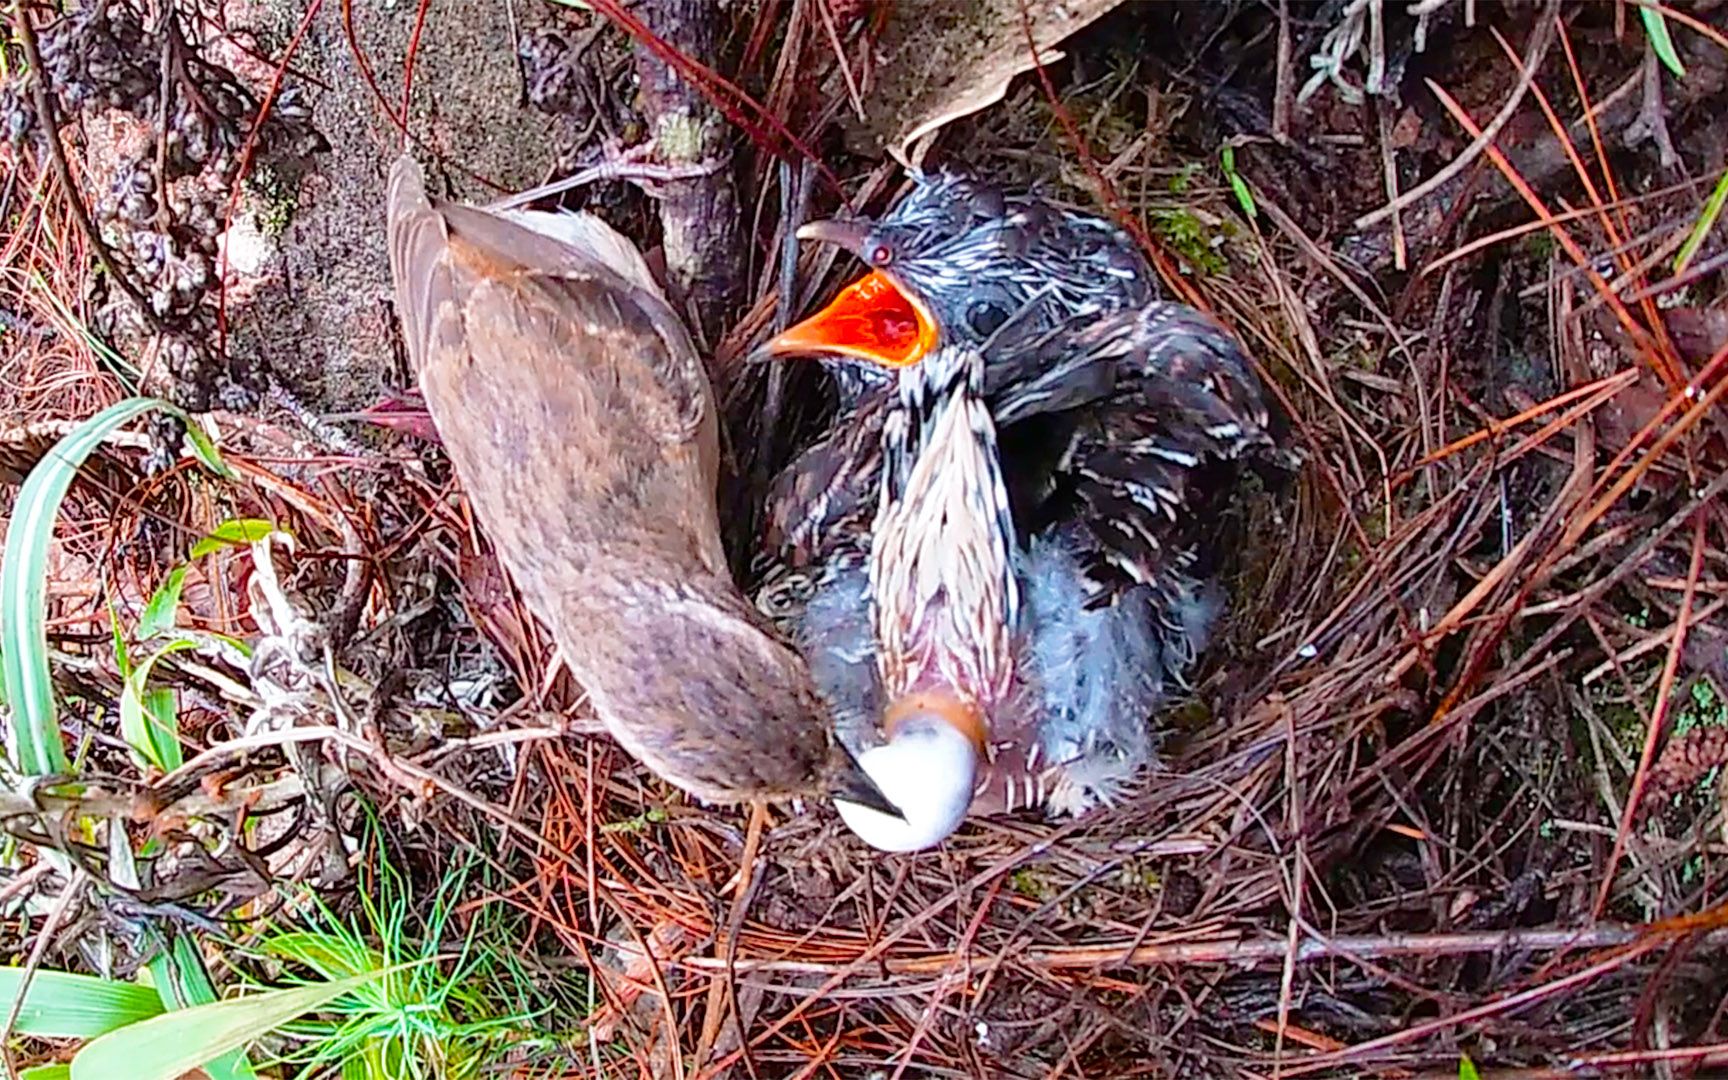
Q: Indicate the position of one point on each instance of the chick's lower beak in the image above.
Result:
(872, 319)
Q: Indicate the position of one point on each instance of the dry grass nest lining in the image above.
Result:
(1364, 767)
(1199, 843)
(1389, 750)
(1310, 751)
(1369, 700)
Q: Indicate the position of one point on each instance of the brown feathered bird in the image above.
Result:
(582, 426)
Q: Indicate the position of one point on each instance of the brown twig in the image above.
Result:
(723, 988)
(1234, 951)
(699, 217)
(74, 887)
(1654, 730)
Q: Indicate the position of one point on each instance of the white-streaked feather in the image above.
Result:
(939, 560)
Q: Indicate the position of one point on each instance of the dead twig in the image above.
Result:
(68, 896)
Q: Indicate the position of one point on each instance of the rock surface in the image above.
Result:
(323, 322)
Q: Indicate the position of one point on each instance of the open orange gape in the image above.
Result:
(872, 319)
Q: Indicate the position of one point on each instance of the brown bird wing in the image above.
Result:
(570, 396)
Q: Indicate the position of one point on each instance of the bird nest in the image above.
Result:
(1445, 784)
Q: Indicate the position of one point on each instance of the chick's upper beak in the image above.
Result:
(844, 234)
(872, 319)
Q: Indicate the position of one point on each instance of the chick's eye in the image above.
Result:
(881, 255)
(984, 318)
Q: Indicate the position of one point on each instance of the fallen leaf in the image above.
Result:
(937, 62)
(405, 413)
(1698, 333)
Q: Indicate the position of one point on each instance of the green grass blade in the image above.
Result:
(359, 1068)
(1238, 186)
(46, 1072)
(34, 735)
(119, 365)
(121, 656)
(183, 981)
(205, 450)
(34, 738)
(1706, 222)
(164, 606)
(62, 1005)
(162, 716)
(330, 955)
(148, 720)
(168, 1046)
(1467, 1069)
(1656, 26)
(235, 533)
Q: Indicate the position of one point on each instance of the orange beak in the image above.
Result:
(871, 319)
